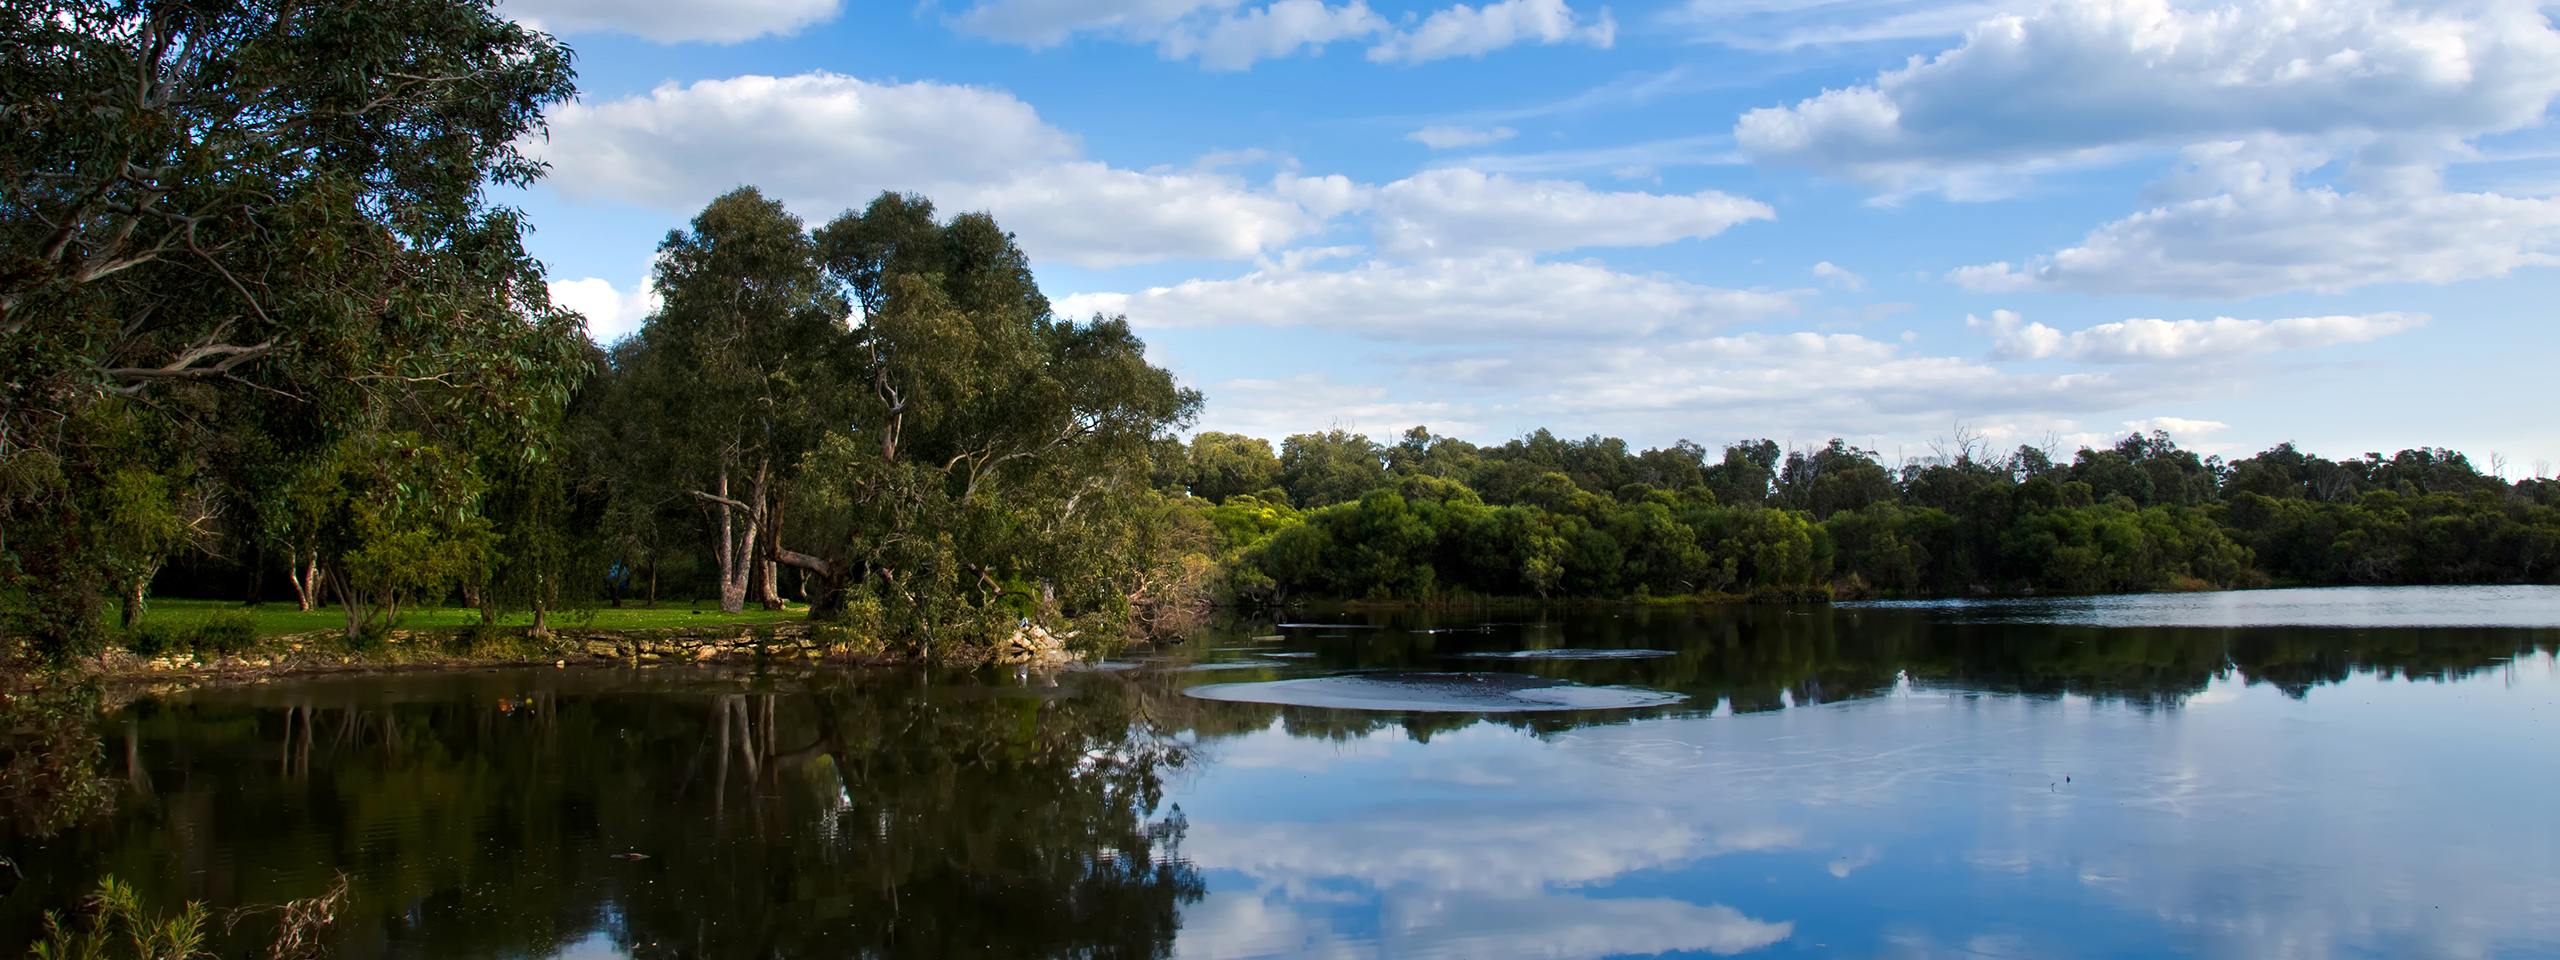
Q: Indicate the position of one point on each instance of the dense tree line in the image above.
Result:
(1427, 518)
(266, 336)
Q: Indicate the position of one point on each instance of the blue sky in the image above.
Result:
(1891, 221)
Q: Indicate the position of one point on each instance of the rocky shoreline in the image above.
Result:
(327, 651)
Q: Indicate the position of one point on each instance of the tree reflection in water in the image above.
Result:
(877, 814)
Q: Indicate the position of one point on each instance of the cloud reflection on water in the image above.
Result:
(2379, 816)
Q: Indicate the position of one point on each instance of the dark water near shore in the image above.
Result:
(2298, 774)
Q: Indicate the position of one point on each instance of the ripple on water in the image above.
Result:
(1436, 693)
(1564, 654)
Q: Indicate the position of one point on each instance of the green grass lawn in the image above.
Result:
(282, 618)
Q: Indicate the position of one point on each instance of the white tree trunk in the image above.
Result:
(306, 575)
(737, 552)
(724, 550)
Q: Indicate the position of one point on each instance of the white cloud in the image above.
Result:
(1800, 384)
(671, 21)
(2153, 341)
(611, 314)
(1048, 23)
(1789, 24)
(1279, 407)
(1461, 212)
(1327, 196)
(1092, 214)
(2264, 235)
(2081, 76)
(1463, 31)
(2179, 427)
(1448, 300)
(1839, 276)
(1282, 28)
(1233, 35)
(823, 143)
(677, 146)
(1443, 138)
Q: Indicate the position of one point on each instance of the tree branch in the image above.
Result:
(184, 368)
(805, 562)
(723, 501)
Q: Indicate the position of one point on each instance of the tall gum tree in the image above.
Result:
(741, 364)
(995, 460)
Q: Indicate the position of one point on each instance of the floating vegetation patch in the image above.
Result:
(1436, 693)
(1565, 654)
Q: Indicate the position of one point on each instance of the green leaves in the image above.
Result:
(255, 229)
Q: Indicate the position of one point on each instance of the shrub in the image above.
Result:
(149, 640)
(226, 632)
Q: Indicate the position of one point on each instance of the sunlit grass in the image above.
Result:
(282, 618)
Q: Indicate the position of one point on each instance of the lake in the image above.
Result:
(2288, 773)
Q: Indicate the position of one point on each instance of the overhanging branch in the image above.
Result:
(184, 367)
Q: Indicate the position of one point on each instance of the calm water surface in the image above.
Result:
(2349, 773)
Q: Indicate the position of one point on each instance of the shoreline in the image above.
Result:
(323, 653)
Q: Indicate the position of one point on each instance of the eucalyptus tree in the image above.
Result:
(741, 368)
(994, 466)
(1223, 465)
(1336, 466)
(263, 216)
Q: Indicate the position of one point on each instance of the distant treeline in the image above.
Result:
(1432, 518)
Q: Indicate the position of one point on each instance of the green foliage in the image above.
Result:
(226, 632)
(1222, 466)
(1243, 521)
(405, 527)
(113, 924)
(49, 754)
(233, 236)
(737, 376)
(1322, 469)
(960, 458)
(2142, 515)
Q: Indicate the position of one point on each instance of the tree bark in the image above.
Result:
(347, 602)
(768, 591)
(133, 600)
(737, 554)
(769, 573)
(307, 586)
(724, 539)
